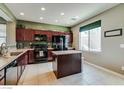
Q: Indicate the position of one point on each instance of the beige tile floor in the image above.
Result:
(41, 74)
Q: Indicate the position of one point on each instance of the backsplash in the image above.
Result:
(21, 45)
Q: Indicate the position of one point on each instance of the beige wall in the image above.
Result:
(42, 26)
(112, 56)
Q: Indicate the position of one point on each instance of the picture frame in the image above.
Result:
(113, 33)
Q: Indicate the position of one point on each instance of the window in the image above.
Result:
(2, 33)
(90, 39)
(84, 40)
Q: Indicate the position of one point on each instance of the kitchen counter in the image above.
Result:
(6, 60)
(49, 48)
(66, 52)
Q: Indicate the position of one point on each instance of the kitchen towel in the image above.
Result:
(41, 53)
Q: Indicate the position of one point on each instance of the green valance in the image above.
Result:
(91, 26)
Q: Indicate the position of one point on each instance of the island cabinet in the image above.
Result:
(66, 63)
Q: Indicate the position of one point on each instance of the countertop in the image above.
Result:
(66, 52)
(49, 48)
(4, 61)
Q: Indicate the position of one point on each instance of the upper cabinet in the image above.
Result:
(28, 34)
(24, 35)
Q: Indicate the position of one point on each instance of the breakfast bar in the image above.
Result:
(66, 62)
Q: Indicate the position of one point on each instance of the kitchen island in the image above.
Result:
(66, 62)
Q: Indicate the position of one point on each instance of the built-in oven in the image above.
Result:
(40, 53)
(40, 48)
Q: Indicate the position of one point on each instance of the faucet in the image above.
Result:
(3, 49)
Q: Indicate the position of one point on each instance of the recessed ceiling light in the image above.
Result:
(43, 9)
(62, 13)
(56, 20)
(75, 18)
(22, 13)
(68, 23)
(41, 18)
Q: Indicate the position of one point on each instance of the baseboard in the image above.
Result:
(106, 70)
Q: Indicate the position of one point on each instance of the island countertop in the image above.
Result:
(66, 52)
(4, 61)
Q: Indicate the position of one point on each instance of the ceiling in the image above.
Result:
(74, 13)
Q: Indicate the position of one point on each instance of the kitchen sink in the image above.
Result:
(15, 53)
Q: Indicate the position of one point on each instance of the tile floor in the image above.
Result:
(41, 74)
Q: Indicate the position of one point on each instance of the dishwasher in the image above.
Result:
(12, 73)
(2, 77)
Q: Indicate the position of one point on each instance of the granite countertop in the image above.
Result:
(4, 61)
(50, 48)
(66, 52)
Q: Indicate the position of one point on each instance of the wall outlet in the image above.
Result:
(121, 45)
(122, 68)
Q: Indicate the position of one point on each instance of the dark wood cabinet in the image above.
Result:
(66, 64)
(50, 57)
(24, 35)
(28, 34)
(31, 56)
(20, 35)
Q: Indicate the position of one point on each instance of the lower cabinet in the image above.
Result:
(50, 57)
(31, 56)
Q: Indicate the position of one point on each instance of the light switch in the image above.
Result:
(121, 45)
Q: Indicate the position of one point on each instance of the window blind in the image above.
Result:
(91, 26)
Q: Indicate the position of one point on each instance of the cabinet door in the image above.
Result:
(64, 65)
(50, 36)
(24, 59)
(50, 57)
(19, 35)
(24, 35)
(31, 56)
(71, 37)
(28, 35)
(76, 63)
